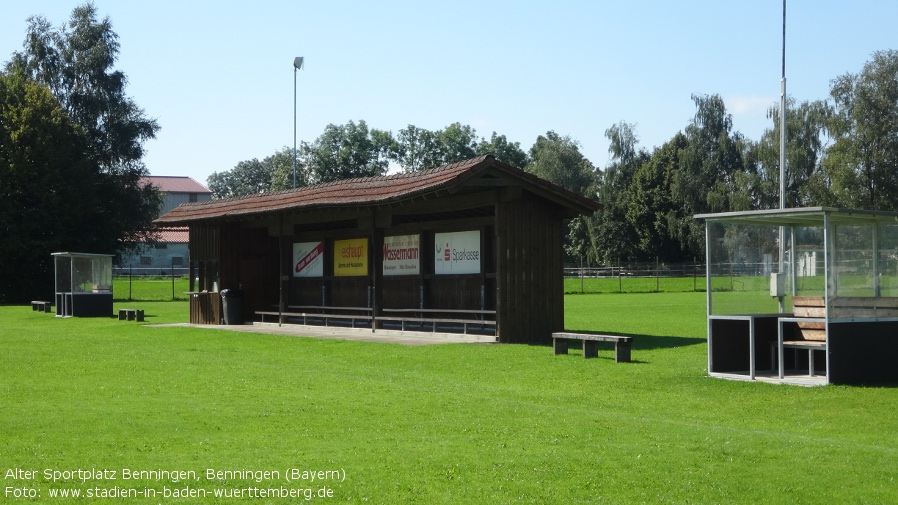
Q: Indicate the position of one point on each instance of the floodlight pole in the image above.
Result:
(782, 230)
(297, 64)
(783, 119)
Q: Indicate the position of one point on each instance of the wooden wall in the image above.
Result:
(237, 258)
(529, 281)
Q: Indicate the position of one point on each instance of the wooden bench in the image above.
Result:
(622, 345)
(323, 313)
(130, 314)
(41, 306)
(809, 315)
(417, 316)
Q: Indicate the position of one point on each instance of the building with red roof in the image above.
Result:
(170, 251)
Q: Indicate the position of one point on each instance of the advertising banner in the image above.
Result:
(402, 255)
(308, 259)
(457, 252)
(351, 257)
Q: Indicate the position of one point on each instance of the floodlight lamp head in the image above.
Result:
(297, 62)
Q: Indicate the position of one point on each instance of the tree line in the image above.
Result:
(841, 151)
(71, 145)
(71, 150)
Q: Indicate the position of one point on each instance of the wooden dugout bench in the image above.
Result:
(809, 316)
(416, 317)
(622, 345)
(325, 314)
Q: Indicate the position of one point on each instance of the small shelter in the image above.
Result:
(83, 284)
(803, 296)
(474, 240)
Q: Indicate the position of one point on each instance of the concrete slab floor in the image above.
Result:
(357, 334)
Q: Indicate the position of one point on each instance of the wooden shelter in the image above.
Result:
(803, 296)
(474, 240)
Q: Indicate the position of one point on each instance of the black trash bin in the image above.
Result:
(232, 303)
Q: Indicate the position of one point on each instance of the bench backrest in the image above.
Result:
(845, 307)
(863, 307)
(810, 307)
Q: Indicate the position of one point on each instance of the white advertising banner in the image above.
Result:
(308, 259)
(457, 252)
(402, 255)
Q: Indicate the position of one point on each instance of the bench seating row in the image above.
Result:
(404, 318)
(809, 315)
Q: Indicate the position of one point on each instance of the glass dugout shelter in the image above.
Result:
(803, 296)
(83, 284)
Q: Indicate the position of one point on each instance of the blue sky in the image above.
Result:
(218, 76)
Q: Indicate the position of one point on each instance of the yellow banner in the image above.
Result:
(351, 257)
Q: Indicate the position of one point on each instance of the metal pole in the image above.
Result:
(581, 274)
(281, 270)
(294, 125)
(782, 231)
(783, 119)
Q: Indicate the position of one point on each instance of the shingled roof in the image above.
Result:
(373, 191)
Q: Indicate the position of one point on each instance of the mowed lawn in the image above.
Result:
(436, 424)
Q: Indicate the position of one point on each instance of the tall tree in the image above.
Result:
(861, 167)
(252, 177)
(281, 166)
(558, 159)
(805, 135)
(651, 210)
(249, 177)
(420, 149)
(502, 149)
(75, 61)
(347, 151)
(707, 167)
(457, 142)
(417, 149)
(52, 197)
(614, 237)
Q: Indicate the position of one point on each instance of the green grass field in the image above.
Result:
(436, 424)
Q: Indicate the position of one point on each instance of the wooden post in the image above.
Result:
(377, 269)
(590, 349)
(559, 346)
(622, 352)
